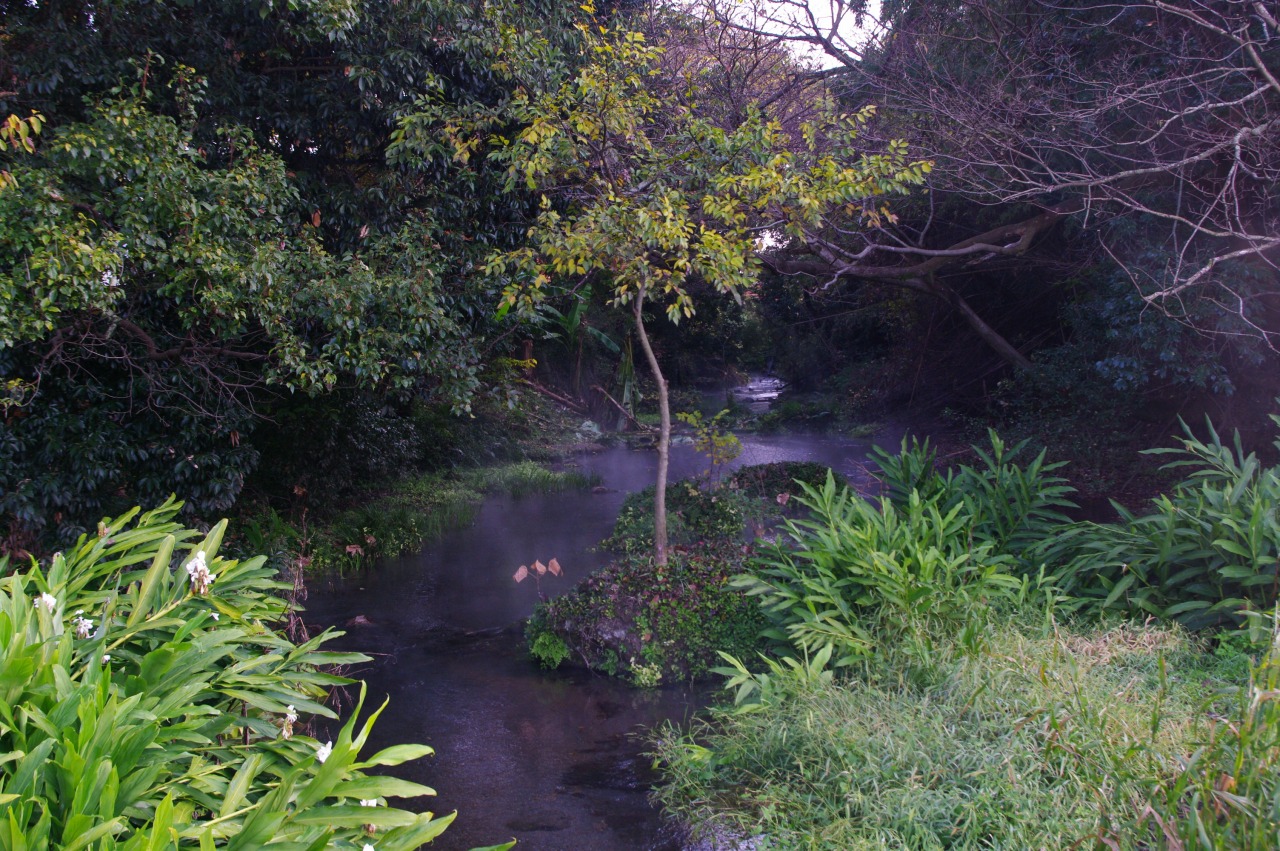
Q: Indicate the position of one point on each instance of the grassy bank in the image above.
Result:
(399, 517)
(1014, 738)
(960, 666)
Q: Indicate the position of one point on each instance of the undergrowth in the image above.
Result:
(149, 702)
(1034, 738)
(634, 615)
(401, 517)
(923, 692)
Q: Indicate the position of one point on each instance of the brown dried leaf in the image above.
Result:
(554, 567)
(540, 567)
(521, 574)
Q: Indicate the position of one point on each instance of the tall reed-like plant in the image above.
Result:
(854, 569)
(1226, 793)
(1008, 504)
(1208, 554)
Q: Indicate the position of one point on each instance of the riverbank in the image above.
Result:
(962, 666)
(555, 759)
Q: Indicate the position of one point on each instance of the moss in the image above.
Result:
(634, 613)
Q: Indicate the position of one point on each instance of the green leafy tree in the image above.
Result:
(145, 289)
(208, 229)
(640, 189)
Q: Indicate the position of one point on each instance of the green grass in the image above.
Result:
(420, 508)
(1033, 741)
(523, 478)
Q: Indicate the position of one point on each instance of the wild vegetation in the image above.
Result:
(151, 702)
(1013, 735)
(401, 517)
(668, 622)
(935, 681)
(302, 261)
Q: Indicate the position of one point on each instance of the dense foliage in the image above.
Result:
(150, 702)
(1207, 555)
(200, 224)
(937, 552)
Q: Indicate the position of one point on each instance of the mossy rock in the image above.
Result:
(634, 615)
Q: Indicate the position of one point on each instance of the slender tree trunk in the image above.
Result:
(664, 438)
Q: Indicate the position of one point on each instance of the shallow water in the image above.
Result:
(552, 759)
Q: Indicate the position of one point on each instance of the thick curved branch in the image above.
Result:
(1011, 239)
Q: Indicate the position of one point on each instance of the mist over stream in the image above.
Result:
(553, 759)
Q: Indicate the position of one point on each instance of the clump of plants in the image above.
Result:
(694, 514)
(1208, 554)
(149, 702)
(935, 550)
(754, 496)
(634, 615)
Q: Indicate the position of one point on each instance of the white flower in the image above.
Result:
(372, 802)
(322, 752)
(106, 657)
(367, 847)
(82, 625)
(198, 570)
(215, 615)
(286, 729)
(49, 601)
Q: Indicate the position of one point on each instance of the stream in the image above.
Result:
(555, 760)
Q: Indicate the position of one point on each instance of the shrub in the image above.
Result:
(1208, 555)
(147, 702)
(855, 568)
(1008, 505)
(693, 515)
(766, 481)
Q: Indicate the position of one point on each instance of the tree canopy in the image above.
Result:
(210, 211)
(198, 221)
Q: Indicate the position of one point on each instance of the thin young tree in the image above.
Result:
(644, 188)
